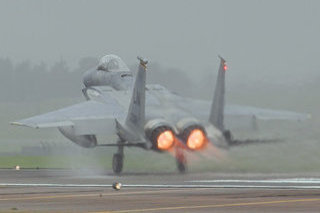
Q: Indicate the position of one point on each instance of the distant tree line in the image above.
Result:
(26, 81)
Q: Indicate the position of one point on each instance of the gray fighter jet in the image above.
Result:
(146, 116)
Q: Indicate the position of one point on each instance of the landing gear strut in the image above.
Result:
(117, 160)
(228, 136)
(181, 160)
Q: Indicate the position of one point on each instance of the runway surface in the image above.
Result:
(90, 191)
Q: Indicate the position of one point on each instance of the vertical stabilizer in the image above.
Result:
(136, 112)
(217, 108)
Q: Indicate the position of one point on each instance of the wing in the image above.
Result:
(265, 114)
(201, 109)
(89, 117)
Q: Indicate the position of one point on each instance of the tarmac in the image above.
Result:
(46, 190)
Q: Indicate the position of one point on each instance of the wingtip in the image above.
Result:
(17, 123)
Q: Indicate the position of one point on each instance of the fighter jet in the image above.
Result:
(146, 116)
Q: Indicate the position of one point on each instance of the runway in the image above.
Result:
(90, 191)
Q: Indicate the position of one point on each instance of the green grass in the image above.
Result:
(44, 162)
(135, 160)
(287, 157)
(297, 155)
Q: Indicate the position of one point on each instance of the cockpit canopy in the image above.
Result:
(112, 63)
(111, 71)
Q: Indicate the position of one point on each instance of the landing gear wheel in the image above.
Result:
(181, 161)
(228, 136)
(117, 163)
(181, 166)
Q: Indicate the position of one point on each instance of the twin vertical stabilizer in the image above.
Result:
(136, 112)
(217, 108)
(135, 119)
(133, 127)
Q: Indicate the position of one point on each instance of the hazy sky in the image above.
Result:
(266, 39)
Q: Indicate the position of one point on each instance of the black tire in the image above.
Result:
(181, 161)
(228, 136)
(117, 163)
(181, 166)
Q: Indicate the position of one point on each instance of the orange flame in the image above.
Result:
(165, 140)
(196, 139)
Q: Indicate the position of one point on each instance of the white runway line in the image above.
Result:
(161, 186)
(226, 186)
(52, 185)
(283, 181)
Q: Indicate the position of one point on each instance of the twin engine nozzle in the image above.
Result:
(188, 132)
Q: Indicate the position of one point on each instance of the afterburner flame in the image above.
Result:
(165, 140)
(196, 139)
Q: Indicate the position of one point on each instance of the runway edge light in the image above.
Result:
(116, 186)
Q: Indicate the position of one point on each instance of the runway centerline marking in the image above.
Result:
(94, 195)
(213, 206)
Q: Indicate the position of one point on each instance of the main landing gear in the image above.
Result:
(181, 160)
(117, 160)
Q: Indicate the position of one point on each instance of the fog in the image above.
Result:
(271, 47)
